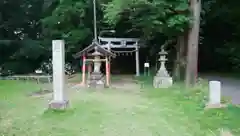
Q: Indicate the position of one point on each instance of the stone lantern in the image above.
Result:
(162, 78)
(96, 77)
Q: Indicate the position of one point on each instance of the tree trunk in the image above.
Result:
(193, 40)
(180, 63)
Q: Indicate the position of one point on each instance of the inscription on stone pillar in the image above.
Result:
(58, 61)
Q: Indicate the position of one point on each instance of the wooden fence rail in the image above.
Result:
(28, 77)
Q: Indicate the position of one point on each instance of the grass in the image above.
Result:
(151, 112)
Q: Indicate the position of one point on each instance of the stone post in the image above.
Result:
(215, 95)
(58, 61)
(214, 92)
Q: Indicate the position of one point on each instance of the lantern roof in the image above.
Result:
(96, 53)
(162, 52)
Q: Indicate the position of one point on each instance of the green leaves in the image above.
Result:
(113, 10)
(179, 22)
(182, 6)
(165, 16)
(69, 20)
(29, 49)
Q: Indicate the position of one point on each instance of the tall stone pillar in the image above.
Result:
(58, 61)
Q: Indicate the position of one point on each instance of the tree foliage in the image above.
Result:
(20, 31)
(220, 32)
(169, 17)
(28, 26)
(69, 20)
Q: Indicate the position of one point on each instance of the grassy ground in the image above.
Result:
(146, 112)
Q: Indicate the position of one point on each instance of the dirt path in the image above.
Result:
(230, 87)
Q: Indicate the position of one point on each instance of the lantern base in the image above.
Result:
(96, 80)
(162, 79)
(162, 82)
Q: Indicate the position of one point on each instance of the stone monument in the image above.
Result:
(162, 78)
(58, 60)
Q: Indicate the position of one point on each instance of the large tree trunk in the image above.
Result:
(193, 40)
(180, 63)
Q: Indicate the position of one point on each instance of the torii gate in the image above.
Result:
(130, 43)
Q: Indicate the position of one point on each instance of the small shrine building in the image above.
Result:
(94, 54)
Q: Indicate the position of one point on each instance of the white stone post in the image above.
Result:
(137, 61)
(214, 93)
(58, 61)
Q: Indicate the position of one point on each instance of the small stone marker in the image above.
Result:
(214, 95)
(214, 92)
(58, 61)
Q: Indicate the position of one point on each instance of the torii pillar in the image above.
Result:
(137, 61)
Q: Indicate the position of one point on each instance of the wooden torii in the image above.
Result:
(99, 55)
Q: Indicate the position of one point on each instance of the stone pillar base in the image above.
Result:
(215, 106)
(58, 105)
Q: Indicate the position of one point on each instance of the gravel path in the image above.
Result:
(230, 87)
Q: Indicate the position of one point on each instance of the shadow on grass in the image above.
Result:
(49, 113)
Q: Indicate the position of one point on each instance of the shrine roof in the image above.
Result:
(94, 46)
